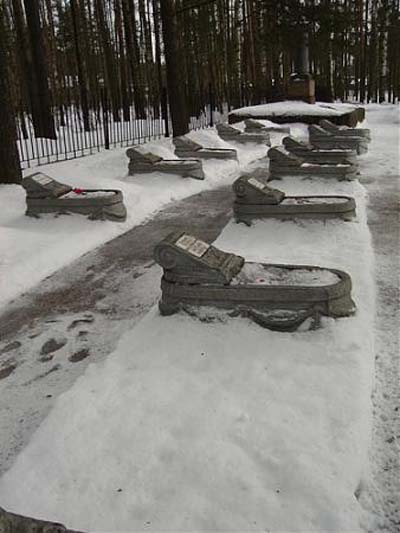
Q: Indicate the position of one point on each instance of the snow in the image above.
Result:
(293, 108)
(88, 194)
(210, 426)
(32, 249)
(314, 201)
(256, 273)
(224, 425)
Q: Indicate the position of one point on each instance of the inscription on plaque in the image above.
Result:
(192, 245)
(185, 242)
(256, 183)
(42, 179)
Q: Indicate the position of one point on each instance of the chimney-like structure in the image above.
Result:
(301, 84)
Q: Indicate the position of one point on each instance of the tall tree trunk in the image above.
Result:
(176, 95)
(46, 126)
(122, 61)
(82, 78)
(109, 60)
(10, 171)
(128, 10)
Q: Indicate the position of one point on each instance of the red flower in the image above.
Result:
(78, 191)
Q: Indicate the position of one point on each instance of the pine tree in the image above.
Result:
(10, 171)
(177, 100)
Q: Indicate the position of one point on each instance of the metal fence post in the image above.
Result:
(164, 110)
(104, 105)
(211, 100)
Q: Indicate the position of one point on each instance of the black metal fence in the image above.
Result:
(105, 133)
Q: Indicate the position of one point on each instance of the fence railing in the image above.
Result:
(105, 133)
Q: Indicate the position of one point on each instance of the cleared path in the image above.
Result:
(49, 335)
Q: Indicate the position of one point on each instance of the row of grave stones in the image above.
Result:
(198, 276)
(331, 153)
(196, 273)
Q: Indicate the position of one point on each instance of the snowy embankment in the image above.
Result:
(31, 249)
(193, 426)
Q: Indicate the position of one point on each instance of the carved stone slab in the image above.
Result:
(345, 130)
(197, 274)
(294, 207)
(323, 139)
(46, 195)
(254, 126)
(253, 190)
(186, 259)
(284, 158)
(229, 133)
(312, 155)
(143, 163)
(39, 185)
(185, 147)
(284, 163)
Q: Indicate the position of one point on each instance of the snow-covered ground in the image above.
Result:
(214, 426)
(31, 249)
(196, 426)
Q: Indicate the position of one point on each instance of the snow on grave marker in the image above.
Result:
(279, 297)
(46, 195)
(255, 199)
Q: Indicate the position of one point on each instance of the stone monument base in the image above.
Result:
(302, 89)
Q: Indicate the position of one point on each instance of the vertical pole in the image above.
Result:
(164, 110)
(105, 118)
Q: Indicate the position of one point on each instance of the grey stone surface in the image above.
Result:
(310, 154)
(39, 185)
(323, 139)
(46, 195)
(254, 199)
(252, 189)
(186, 259)
(284, 163)
(144, 163)
(254, 126)
(15, 523)
(365, 133)
(198, 275)
(229, 133)
(185, 147)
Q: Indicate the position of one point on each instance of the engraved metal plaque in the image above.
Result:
(256, 183)
(185, 241)
(192, 245)
(42, 179)
(199, 248)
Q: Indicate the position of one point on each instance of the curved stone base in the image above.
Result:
(345, 130)
(183, 168)
(325, 140)
(230, 134)
(297, 301)
(344, 173)
(107, 207)
(344, 208)
(310, 154)
(207, 153)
